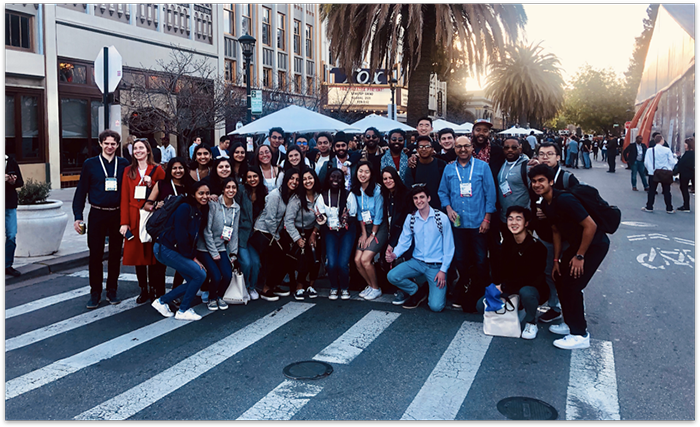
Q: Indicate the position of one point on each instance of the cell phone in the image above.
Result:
(129, 235)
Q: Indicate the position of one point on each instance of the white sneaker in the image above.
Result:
(187, 315)
(572, 342)
(253, 294)
(162, 308)
(333, 295)
(373, 294)
(530, 332)
(365, 291)
(344, 294)
(560, 329)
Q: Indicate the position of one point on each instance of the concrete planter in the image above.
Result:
(40, 228)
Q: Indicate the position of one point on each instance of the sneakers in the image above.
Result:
(311, 292)
(333, 295)
(415, 300)
(345, 294)
(269, 295)
(530, 332)
(205, 297)
(162, 308)
(112, 299)
(644, 209)
(187, 315)
(212, 306)
(572, 342)
(9, 271)
(93, 303)
(373, 294)
(550, 316)
(683, 209)
(299, 295)
(365, 291)
(560, 329)
(672, 211)
(253, 294)
(280, 292)
(222, 304)
(400, 297)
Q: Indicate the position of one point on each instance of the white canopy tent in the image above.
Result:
(383, 124)
(295, 119)
(441, 124)
(465, 127)
(519, 131)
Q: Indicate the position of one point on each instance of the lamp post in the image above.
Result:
(392, 86)
(247, 45)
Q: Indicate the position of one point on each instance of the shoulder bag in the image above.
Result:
(236, 293)
(661, 175)
(504, 322)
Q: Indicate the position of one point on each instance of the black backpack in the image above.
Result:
(155, 226)
(606, 217)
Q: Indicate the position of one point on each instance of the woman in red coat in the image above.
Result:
(139, 178)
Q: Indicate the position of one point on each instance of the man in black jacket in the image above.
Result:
(13, 181)
(634, 157)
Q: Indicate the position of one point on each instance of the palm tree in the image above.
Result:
(410, 32)
(526, 84)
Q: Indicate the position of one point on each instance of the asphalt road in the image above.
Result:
(128, 362)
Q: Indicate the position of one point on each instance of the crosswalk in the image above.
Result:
(457, 365)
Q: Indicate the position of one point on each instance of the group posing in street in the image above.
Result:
(436, 220)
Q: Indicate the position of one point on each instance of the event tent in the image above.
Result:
(383, 124)
(294, 119)
(465, 127)
(519, 131)
(441, 124)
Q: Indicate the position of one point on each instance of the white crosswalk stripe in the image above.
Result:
(45, 302)
(593, 383)
(123, 277)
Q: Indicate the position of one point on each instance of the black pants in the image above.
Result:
(472, 262)
(273, 258)
(306, 264)
(611, 160)
(493, 239)
(651, 194)
(102, 224)
(570, 290)
(685, 181)
(151, 279)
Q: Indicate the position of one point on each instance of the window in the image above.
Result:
(72, 73)
(309, 42)
(246, 20)
(230, 70)
(297, 83)
(24, 137)
(309, 85)
(266, 37)
(18, 31)
(229, 19)
(79, 130)
(281, 31)
(267, 77)
(282, 81)
(297, 37)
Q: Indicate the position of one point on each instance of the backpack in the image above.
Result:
(438, 221)
(155, 226)
(606, 217)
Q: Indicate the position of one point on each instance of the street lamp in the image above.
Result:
(392, 85)
(247, 45)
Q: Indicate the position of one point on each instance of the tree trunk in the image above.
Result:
(522, 121)
(419, 82)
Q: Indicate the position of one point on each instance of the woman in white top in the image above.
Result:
(272, 175)
(201, 165)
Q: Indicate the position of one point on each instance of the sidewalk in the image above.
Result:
(72, 252)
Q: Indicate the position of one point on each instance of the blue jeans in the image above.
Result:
(219, 271)
(250, 264)
(605, 155)
(638, 168)
(573, 159)
(339, 249)
(401, 275)
(10, 236)
(193, 274)
(586, 160)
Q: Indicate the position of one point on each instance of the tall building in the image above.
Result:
(52, 102)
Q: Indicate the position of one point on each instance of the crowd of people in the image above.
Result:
(437, 219)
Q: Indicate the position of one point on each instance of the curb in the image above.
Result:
(58, 264)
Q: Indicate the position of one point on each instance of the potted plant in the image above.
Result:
(40, 221)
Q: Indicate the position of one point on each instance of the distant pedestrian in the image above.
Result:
(658, 158)
(634, 156)
(686, 168)
(196, 141)
(13, 181)
(167, 151)
(101, 181)
(572, 153)
(532, 140)
(221, 150)
(612, 154)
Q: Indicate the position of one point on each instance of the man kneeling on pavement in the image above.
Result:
(431, 232)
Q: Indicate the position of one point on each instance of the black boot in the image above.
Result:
(144, 296)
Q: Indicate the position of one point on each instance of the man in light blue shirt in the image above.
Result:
(432, 255)
(195, 142)
(468, 194)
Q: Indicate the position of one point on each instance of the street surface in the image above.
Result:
(128, 362)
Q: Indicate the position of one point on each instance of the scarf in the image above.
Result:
(485, 153)
(403, 163)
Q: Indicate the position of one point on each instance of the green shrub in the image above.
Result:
(34, 192)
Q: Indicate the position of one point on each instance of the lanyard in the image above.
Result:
(362, 198)
(174, 189)
(142, 176)
(557, 176)
(507, 173)
(223, 212)
(105, 169)
(330, 201)
(197, 171)
(470, 171)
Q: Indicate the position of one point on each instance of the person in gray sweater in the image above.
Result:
(217, 246)
(300, 225)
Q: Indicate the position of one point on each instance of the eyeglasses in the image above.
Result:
(277, 138)
(424, 147)
(463, 147)
(371, 136)
(397, 139)
(546, 155)
(302, 143)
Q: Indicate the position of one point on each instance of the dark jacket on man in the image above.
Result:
(12, 168)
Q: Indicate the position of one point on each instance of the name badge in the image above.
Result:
(333, 220)
(366, 217)
(465, 189)
(505, 189)
(227, 233)
(140, 192)
(110, 184)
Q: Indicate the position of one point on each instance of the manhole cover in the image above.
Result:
(308, 370)
(526, 408)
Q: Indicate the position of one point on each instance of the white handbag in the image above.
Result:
(505, 322)
(237, 292)
(144, 237)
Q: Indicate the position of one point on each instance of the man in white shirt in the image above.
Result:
(532, 140)
(659, 158)
(167, 151)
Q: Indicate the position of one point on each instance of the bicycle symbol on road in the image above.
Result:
(659, 258)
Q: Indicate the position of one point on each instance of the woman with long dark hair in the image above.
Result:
(221, 169)
(336, 210)
(295, 159)
(239, 164)
(200, 166)
(272, 175)
(255, 189)
(373, 230)
(251, 199)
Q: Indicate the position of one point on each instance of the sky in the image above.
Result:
(600, 35)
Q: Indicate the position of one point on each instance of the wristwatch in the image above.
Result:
(579, 257)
